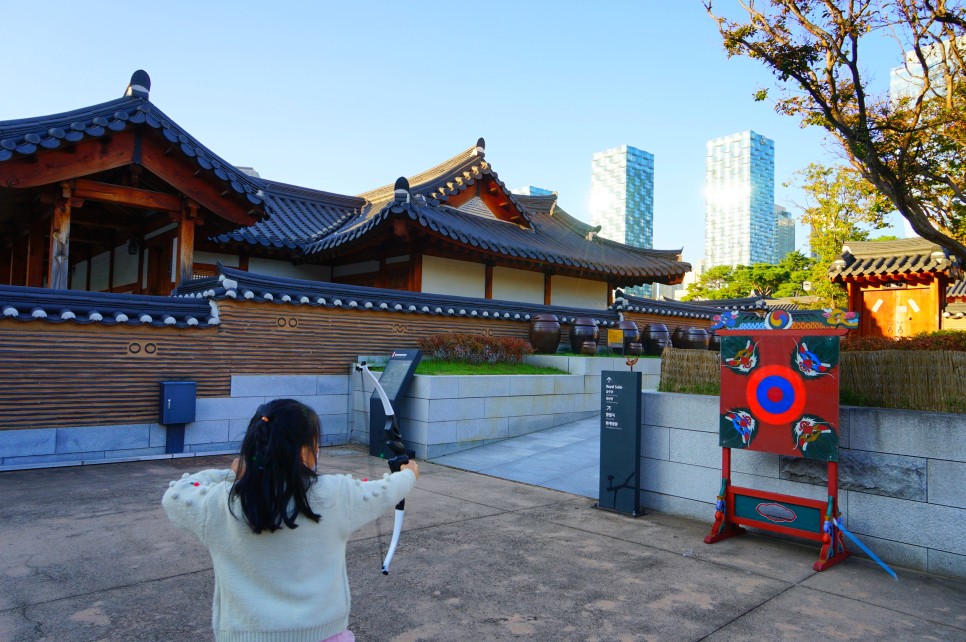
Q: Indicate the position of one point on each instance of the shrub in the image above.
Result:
(474, 348)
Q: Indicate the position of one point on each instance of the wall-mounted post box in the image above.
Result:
(177, 409)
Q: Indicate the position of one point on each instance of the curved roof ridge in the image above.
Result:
(447, 167)
(298, 191)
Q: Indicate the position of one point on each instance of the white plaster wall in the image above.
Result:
(100, 265)
(228, 260)
(517, 285)
(289, 270)
(365, 267)
(459, 278)
(125, 266)
(79, 280)
(578, 293)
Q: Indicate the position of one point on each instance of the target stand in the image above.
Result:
(779, 394)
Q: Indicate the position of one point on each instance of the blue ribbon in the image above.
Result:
(865, 548)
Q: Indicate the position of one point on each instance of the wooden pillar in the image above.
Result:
(58, 264)
(547, 289)
(186, 243)
(415, 271)
(610, 294)
(90, 263)
(36, 246)
(243, 261)
(488, 283)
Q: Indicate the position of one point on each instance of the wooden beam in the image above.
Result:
(130, 196)
(547, 288)
(68, 161)
(59, 261)
(176, 172)
(186, 243)
(488, 282)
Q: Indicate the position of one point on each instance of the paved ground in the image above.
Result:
(87, 554)
(564, 458)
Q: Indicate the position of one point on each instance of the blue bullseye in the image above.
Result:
(775, 394)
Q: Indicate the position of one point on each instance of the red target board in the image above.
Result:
(780, 391)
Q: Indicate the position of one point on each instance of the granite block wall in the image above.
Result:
(443, 415)
(902, 475)
(219, 426)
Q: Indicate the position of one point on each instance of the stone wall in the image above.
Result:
(902, 475)
(220, 424)
(443, 415)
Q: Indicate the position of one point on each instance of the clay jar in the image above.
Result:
(632, 336)
(714, 341)
(545, 333)
(695, 339)
(655, 338)
(583, 330)
(677, 337)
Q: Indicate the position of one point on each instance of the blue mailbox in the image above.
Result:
(177, 409)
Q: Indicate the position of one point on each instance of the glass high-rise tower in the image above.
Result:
(784, 233)
(622, 199)
(739, 208)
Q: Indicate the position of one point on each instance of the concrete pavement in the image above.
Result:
(87, 553)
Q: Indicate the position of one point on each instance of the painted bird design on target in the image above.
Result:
(743, 423)
(814, 437)
(809, 363)
(743, 360)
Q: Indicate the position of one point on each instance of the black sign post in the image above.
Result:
(395, 380)
(620, 442)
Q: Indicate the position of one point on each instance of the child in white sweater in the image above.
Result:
(277, 530)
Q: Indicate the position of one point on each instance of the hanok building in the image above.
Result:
(106, 198)
(107, 210)
(899, 288)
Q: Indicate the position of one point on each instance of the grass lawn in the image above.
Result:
(458, 368)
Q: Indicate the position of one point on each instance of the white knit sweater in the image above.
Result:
(290, 585)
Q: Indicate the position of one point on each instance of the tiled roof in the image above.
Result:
(297, 217)
(955, 311)
(552, 239)
(956, 289)
(692, 309)
(448, 179)
(26, 136)
(241, 285)
(105, 308)
(879, 258)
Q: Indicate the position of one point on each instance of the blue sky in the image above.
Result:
(348, 96)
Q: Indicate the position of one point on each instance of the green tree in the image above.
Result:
(840, 206)
(912, 148)
(713, 283)
(760, 279)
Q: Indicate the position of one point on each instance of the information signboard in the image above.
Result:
(620, 442)
(395, 380)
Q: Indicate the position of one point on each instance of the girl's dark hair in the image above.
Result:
(272, 487)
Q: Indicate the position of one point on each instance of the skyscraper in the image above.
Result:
(784, 233)
(739, 224)
(622, 198)
(530, 190)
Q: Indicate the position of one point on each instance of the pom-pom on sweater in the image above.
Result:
(290, 585)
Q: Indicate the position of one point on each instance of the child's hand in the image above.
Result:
(413, 466)
(237, 467)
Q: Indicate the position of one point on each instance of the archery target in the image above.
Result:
(775, 394)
